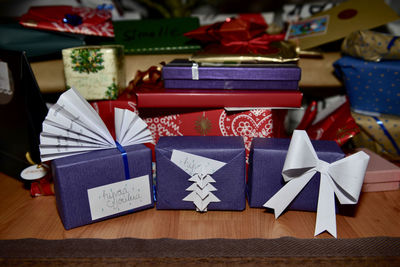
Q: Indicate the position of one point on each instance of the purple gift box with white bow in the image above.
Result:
(303, 175)
(200, 173)
(180, 74)
(267, 157)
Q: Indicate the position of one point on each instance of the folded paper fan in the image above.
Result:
(72, 127)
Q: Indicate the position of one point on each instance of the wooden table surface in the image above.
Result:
(21, 216)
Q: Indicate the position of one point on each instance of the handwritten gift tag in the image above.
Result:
(118, 197)
(194, 164)
(200, 169)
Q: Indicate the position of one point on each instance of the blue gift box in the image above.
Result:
(267, 157)
(75, 176)
(172, 181)
(371, 86)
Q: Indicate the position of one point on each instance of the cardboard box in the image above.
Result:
(85, 186)
(173, 181)
(381, 174)
(267, 157)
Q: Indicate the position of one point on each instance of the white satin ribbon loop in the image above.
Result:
(343, 178)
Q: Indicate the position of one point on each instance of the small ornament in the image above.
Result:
(72, 19)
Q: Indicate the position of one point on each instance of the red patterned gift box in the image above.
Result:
(219, 122)
(199, 122)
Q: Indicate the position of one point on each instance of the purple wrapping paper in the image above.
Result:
(172, 181)
(267, 157)
(180, 74)
(74, 175)
(273, 72)
(231, 84)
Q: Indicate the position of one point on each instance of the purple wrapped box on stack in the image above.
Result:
(267, 157)
(75, 176)
(173, 184)
(180, 74)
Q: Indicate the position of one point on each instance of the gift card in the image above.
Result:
(193, 164)
(156, 36)
(340, 21)
(118, 197)
(309, 27)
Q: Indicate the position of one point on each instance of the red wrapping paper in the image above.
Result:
(230, 30)
(192, 121)
(150, 97)
(94, 22)
(198, 122)
(338, 126)
(243, 35)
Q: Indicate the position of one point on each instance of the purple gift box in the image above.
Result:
(267, 157)
(186, 74)
(173, 182)
(76, 176)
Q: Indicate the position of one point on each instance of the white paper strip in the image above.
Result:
(195, 71)
(72, 126)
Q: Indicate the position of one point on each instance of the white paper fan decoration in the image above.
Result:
(72, 127)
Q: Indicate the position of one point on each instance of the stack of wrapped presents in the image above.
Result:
(207, 132)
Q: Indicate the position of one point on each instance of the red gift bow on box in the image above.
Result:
(238, 36)
(257, 45)
(149, 79)
(231, 29)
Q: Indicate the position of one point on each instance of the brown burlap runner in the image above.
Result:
(207, 248)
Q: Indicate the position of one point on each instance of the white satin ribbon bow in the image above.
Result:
(343, 178)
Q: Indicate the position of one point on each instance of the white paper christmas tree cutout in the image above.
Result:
(72, 126)
(200, 169)
(202, 190)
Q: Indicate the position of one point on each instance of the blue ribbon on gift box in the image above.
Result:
(125, 159)
(387, 133)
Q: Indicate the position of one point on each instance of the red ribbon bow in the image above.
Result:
(257, 45)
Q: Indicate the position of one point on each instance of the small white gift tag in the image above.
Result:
(34, 172)
(118, 197)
